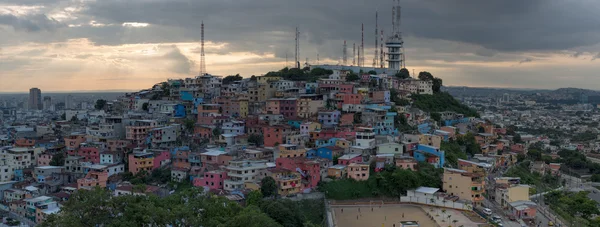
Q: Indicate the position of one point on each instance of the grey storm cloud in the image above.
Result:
(526, 60)
(267, 26)
(180, 63)
(30, 23)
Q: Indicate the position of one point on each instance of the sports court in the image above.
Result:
(383, 216)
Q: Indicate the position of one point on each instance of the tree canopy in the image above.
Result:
(403, 74)
(296, 74)
(100, 104)
(437, 82)
(351, 77)
(441, 101)
(268, 187)
(232, 78)
(58, 159)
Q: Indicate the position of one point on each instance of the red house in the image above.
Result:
(275, 134)
(309, 169)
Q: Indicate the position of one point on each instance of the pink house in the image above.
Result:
(90, 154)
(161, 158)
(44, 159)
(74, 140)
(346, 88)
(348, 159)
(212, 179)
(518, 148)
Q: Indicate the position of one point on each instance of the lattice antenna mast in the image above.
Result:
(394, 18)
(202, 58)
(344, 54)
(297, 60)
(381, 62)
(353, 53)
(362, 45)
(376, 46)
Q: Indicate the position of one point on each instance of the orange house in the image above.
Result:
(92, 179)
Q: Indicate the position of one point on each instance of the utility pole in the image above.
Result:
(376, 34)
(297, 58)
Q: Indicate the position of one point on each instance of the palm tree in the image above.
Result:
(454, 221)
(449, 216)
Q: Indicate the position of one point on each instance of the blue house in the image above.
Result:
(456, 121)
(326, 142)
(430, 154)
(4, 186)
(179, 110)
(424, 128)
(445, 135)
(312, 153)
(19, 175)
(295, 123)
(186, 96)
(329, 152)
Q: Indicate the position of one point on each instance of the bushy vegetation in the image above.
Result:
(391, 182)
(453, 153)
(440, 102)
(296, 74)
(542, 183)
(574, 207)
(232, 78)
(584, 136)
(187, 208)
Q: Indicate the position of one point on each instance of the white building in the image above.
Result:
(243, 171)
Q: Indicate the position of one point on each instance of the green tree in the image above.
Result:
(84, 208)
(351, 77)
(232, 78)
(216, 132)
(251, 217)
(336, 159)
(283, 212)
(437, 82)
(254, 198)
(372, 72)
(253, 78)
(189, 125)
(74, 119)
(373, 83)
(166, 89)
(436, 117)
(145, 106)
(100, 104)
(517, 138)
(534, 154)
(58, 159)
(256, 139)
(63, 116)
(268, 187)
(403, 74)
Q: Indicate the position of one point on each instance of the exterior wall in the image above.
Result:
(212, 180)
(358, 172)
(458, 185)
(430, 140)
(390, 148)
(44, 159)
(90, 154)
(272, 136)
(73, 141)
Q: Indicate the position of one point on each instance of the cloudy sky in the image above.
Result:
(62, 45)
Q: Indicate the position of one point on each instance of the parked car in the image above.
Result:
(487, 211)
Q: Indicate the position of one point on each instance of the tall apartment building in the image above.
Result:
(244, 171)
(465, 185)
(47, 103)
(35, 99)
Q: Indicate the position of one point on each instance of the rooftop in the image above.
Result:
(427, 190)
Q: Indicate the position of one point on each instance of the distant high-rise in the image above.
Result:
(68, 102)
(47, 102)
(35, 99)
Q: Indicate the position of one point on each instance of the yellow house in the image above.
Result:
(291, 151)
(307, 127)
(430, 140)
(507, 193)
(243, 107)
(465, 185)
(343, 143)
(337, 171)
(288, 182)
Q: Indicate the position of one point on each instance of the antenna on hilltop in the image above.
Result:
(297, 62)
(344, 54)
(381, 51)
(376, 46)
(361, 52)
(202, 60)
(353, 54)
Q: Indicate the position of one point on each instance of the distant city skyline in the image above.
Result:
(63, 46)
